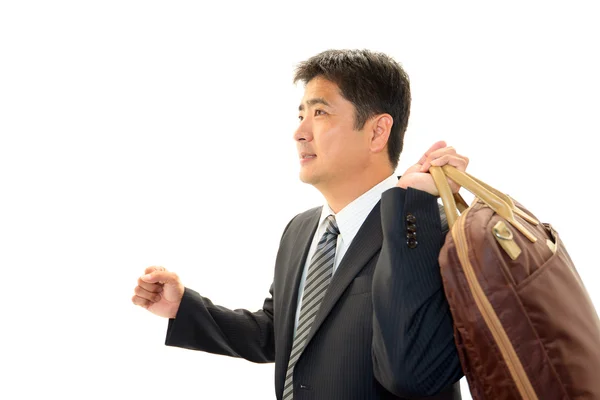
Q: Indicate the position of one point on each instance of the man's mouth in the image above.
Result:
(307, 156)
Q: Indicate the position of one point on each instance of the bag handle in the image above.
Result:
(506, 198)
(497, 201)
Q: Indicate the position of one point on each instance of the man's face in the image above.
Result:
(331, 151)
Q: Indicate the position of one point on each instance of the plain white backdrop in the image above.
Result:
(138, 133)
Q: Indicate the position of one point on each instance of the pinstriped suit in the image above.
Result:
(383, 330)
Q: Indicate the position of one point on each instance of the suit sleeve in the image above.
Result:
(413, 351)
(201, 325)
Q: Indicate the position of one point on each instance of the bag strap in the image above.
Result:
(507, 199)
(490, 196)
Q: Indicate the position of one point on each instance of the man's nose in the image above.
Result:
(303, 132)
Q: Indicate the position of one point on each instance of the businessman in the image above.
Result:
(356, 309)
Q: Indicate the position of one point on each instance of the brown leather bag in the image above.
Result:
(524, 325)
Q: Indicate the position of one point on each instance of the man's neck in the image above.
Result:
(343, 193)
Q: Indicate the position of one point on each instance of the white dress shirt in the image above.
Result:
(349, 221)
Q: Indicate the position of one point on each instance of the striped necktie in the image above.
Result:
(318, 277)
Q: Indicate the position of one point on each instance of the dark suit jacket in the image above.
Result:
(383, 330)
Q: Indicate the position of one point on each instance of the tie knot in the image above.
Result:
(331, 227)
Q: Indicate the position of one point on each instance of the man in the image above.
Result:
(356, 308)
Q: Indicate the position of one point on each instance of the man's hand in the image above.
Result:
(159, 291)
(439, 154)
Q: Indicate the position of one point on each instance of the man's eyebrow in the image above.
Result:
(312, 102)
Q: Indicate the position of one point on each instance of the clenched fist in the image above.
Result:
(159, 291)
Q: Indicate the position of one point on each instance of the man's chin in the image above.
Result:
(304, 179)
(307, 178)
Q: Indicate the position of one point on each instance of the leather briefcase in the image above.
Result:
(524, 325)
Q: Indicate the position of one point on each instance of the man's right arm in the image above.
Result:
(196, 323)
(201, 325)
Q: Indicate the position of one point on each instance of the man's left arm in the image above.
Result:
(414, 354)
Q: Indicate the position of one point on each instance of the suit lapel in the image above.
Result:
(296, 261)
(364, 246)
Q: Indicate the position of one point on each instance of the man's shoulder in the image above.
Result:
(298, 220)
(308, 214)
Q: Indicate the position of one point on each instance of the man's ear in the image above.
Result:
(381, 127)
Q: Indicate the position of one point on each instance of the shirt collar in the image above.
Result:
(351, 217)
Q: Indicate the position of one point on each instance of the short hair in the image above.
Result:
(373, 82)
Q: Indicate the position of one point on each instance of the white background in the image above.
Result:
(138, 133)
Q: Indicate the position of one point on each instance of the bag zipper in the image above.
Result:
(489, 315)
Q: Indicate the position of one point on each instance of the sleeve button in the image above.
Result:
(412, 228)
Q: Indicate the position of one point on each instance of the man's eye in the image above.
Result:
(320, 112)
(300, 118)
